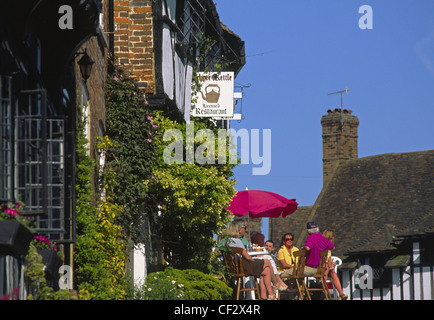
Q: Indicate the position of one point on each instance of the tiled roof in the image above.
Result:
(293, 223)
(371, 201)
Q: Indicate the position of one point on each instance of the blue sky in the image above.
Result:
(298, 51)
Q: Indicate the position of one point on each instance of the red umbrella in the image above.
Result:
(261, 204)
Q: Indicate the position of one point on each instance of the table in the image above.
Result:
(257, 253)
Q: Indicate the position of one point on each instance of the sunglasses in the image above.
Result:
(288, 239)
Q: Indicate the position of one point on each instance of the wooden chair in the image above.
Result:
(320, 276)
(298, 274)
(234, 265)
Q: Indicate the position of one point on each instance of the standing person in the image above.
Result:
(330, 271)
(285, 255)
(315, 243)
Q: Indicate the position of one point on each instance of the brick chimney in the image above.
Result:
(339, 137)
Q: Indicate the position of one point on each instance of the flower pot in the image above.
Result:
(14, 238)
(52, 263)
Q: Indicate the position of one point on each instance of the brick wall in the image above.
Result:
(133, 40)
(97, 48)
(339, 142)
(293, 224)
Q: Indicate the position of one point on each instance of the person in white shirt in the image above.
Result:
(258, 268)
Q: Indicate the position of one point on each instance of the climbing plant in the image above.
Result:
(194, 197)
(133, 152)
(99, 254)
(183, 202)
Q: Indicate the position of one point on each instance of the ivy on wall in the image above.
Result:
(192, 197)
(133, 152)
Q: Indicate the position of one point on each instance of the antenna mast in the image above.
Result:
(341, 92)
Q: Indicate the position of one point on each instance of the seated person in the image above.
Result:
(259, 268)
(258, 241)
(330, 271)
(278, 283)
(315, 243)
(285, 255)
(269, 246)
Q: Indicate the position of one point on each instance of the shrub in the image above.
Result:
(99, 251)
(175, 284)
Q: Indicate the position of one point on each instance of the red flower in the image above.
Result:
(11, 212)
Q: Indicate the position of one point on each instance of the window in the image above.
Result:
(191, 22)
(53, 220)
(382, 277)
(427, 251)
(40, 163)
(6, 187)
(31, 151)
(197, 35)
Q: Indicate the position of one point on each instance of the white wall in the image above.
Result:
(177, 72)
(140, 271)
(409, 283)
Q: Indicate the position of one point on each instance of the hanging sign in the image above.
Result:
(216, 96)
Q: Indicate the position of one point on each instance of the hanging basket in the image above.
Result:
(52, 263)
(14, 238)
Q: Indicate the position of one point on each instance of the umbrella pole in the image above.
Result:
(248, 226)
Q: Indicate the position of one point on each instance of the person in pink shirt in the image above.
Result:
(315, 243)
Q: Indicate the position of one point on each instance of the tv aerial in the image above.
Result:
(341, 92)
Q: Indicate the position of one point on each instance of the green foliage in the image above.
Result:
(99, 252)
(35, 278)
(133, 152)
(175, 284)
(34, 270)
(195, 197)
